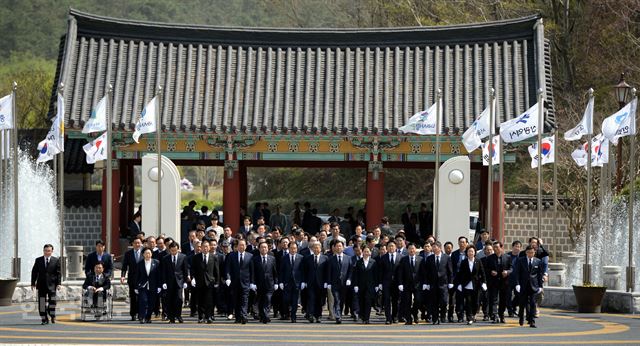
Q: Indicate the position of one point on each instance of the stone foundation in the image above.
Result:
(69, 291)
(613, 301)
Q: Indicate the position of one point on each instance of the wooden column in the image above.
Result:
(375, 194)
(114, 232)
(231, 195)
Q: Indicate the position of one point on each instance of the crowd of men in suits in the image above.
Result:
(264, 274)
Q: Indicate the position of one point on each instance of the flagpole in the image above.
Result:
(16, 260)
(632, 183)
(159, 169)
(436, 188)
(554, 224)
(61, 193)
(586, 270)
(540, 129)
(501, 192)
(489, 225)
(109, 199)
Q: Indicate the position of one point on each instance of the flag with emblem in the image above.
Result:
(96, 150)
(98, 120)
(622, 123)
(491, 148)
(522, 127)
(54, 142)
(585, 127)
(599, 152)
(147, 121)
(6, 112)
(548, 152)
(423, 123)
(480, 129)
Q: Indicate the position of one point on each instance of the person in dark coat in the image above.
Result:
(410, 281)
(240, 279)
(206, 277)
(130, 271)
(99, 256)
(469, 280)
(266, 277)
(439, 281)
(338, 277)
(529, 275)
(498, 269)
(46, 278)
(96, 285)
(366, 283)
(148, 285)
(290, 280)
(389, 277)
(314, 279)
(175, 274)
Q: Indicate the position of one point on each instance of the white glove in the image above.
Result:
(356, 289)
(275, 287)
(450, 286)
(135, 291)
(216, 286)
(227, 282)
(91, 288)
(303, 285)
(380, 287)
(460, 288)
(184, 285)
(424, 287)
(328, 287)
(281, 286)
(428, 287)
(484, 286)
(159, 289)
(193, 282)
(164, 286)
(518, 288)
(253, 287)
(348, 282)
(100, 289)
(539, 290)
(376, 289)
(400, 288)
(325, 285)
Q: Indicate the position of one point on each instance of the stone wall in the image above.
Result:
(82, 226)
(521, 222)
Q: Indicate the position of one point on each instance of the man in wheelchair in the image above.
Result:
(96, 285)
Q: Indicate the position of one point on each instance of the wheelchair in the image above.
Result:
(103, 311)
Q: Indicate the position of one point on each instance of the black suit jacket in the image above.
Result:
(337, 275)
(289, 275)
(528, 278)
(92, 260)
(103, 282)
(153, 279)
(498, 264)
(46, 279)
(389, 270)
(174, 276)
(130, 267)
(440, 275)
(476, 276)
(266, 276)
(366, 278)
(314, 275)
(411, 278)
(241, 275)
(206, 274)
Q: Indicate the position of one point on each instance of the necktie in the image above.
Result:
(393, 258)
(530, 264)
(315, 260)
(241, 258)
(206, 259)
(264, 261)
(339, 261)
(46, 262)
(137, 256)
(437, 261)
(291, 257)
(174, 260)
(413, 263)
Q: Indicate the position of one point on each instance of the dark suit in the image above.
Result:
(98, 282)
(367, 279)
(46, 278)
(314, 276)
(130, 270)
(207, 276)
(147, 286)
(241, 276)
(337, 275)
(290, 275)
(498, 285)
(456, 297)
(174, 276)
(92, 260)
(390, 294)
(266, 277)
(474, 276)
(529, 277)
(439, 276)
(411, 277)
(276, 299)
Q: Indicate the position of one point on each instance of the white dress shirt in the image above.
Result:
(469, 285)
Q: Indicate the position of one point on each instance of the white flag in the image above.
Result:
(98, 120)
(6, 112)
(599, 152)
(472, 138)
(494, 152)
(423, 123)
(54, 142)
(147, 121)
(548, 152)
(622, 123)
(96, 150)
(520, 128)
(585, 126)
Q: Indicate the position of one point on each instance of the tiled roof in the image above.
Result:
(75, 159)
(258, 80)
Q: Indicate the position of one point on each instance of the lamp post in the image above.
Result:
(621, 90)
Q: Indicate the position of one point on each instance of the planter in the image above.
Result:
(589, 298)
(7, 287)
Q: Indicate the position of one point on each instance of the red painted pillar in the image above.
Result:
(497, 212)
(114, 232)
(375, 197)
(242, 172)
(231, 195)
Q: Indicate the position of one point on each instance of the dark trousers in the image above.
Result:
(512, 299)
(451, 302)
(528, 303)
(47, 304)
(408, 310)
(483, 297)
(315, 300)
(497, 299)
(205, 301)
(240, 302)
(339, 294)
(291, 294)
(276, 302)
(173, 302)
(438, 302)
(365, 300)
(264, 303)
(133, 301)
(470, 303)
(390, 298)
(146, 302)
(351, 302)
(459, 299)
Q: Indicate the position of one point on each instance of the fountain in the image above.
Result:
(38, 222)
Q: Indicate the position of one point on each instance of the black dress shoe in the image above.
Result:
(366, 322)
(338, 321)
(53, 320)
(450, 319)
(172, 321)
(293, 320)
(141, 321)
(521, 322)
(533, 325)
(200, 320)
(408, 323)
(44, 322)
(318, 320)
(387, 322)
(148, 320)
(243, 321)
(460, 320)
(435, 322)
(502, 320)
(310, 319)
(180, 320)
